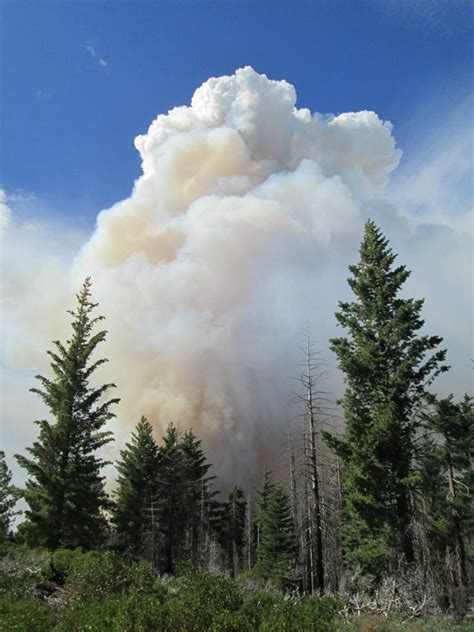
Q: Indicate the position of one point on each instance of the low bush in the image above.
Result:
(62, 562)
(21, 569)
(96, 574)
(268, 612)
(196, 601)
(128, 612)
(24, 614)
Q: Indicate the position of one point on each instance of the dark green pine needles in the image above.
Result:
(387, 367)
(136, 490)
(276, 542)
(9, 495)
(65, 489)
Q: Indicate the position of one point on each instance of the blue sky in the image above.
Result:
(81, 79)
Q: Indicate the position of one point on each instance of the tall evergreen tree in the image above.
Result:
(65, 489)
(198, 496)
(170, 498)
(232, 529)
(448, 482)
(137, 483)
(387, 368)
(9, 495)
(276, 547)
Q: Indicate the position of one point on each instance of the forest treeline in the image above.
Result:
(376, 507)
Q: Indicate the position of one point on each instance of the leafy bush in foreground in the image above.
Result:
(22, 569)
(291, 614)
(62, 561)
(24, 614)
(96, 574)
(129, 612)
(196, 600)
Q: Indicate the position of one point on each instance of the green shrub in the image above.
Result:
(62, 562)
(227, 621)
(128, 612)
(258, 606)
(96, 574)
(142, 577)
(24, 614)
(21, 569)
(268, 612)
(196, 601)
(397, 623)
(316, 614)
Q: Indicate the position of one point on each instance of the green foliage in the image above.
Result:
(232, 526)
(164, 506)
(267, 612)
(196, 600)
(446, 485)
(257, 607)
(138, 471)
(62, 561)
(200, 506)
(387, 367)
(128, 612)
(22, 569)
(374, 623)
(65, 490)
(276, 546)
(24, 614)
(96, 574)
(169, 502)
(9, 496)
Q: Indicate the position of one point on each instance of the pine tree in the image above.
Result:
(65, 489)
(170, 498)
(386, 371)
(9, 495)
(137, 482)
(232, 529)
(447, 483)
(276, 542)
(198, 497)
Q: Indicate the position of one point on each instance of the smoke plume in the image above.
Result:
(236, 235)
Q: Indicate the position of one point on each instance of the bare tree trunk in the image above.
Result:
(292, 480)
(460, 548)
(249, 533)
(314, 476)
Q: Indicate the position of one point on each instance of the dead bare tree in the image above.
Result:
(313, 404)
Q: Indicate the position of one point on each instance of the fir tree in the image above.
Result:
(276, 543)
(65, 489)
(198, 498)
(9, 495)
(448, 481)
(387, 367)
(170, 498)
(232, 530)
(137, 482)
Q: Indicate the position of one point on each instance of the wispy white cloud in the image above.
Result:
(98, 59)
(43, 95)
(434, 183)
(5, 210)
(17, 198)
(446, 17)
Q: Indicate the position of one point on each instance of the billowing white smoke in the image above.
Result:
(237, 235)
(226, 247)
